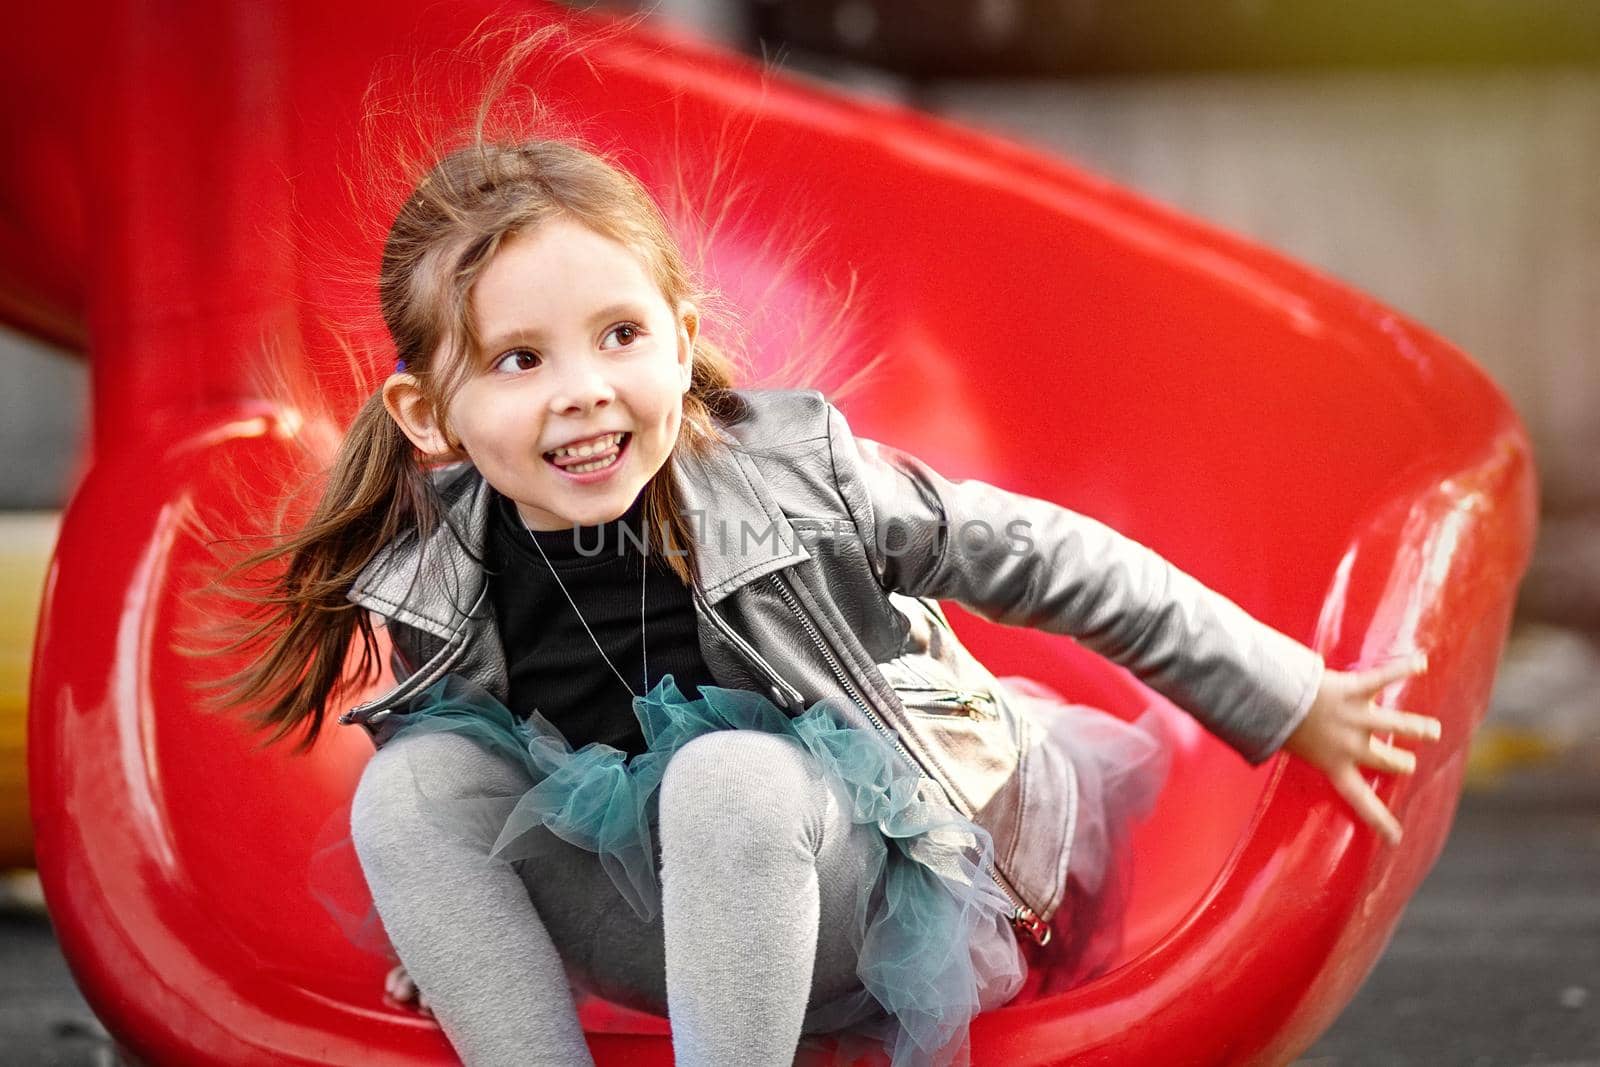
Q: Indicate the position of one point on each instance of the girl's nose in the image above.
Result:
(583, 386)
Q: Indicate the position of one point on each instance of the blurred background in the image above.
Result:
(1440, 156)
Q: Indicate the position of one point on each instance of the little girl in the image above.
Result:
(677, 717)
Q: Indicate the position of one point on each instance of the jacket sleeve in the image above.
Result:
(1022, 561)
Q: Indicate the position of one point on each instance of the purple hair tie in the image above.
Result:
(399, 365)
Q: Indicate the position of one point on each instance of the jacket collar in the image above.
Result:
(739, 531)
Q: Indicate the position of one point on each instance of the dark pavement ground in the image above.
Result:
(1496, 960)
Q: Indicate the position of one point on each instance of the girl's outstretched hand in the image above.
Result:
(1340, 736)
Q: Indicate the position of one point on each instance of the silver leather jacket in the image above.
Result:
(821, 561)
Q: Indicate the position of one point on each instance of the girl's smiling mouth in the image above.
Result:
(591, 466)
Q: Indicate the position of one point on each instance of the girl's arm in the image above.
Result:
(1022, 561)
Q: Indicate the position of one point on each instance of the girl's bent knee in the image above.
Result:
(404, 777)
(739, 763)
(384, 804)
(732, 786)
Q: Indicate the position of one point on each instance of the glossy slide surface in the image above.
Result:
(1338, 470)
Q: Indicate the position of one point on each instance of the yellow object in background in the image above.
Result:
(1501, 750)
(26, 540)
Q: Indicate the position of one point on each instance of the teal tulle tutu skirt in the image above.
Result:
(936, 945)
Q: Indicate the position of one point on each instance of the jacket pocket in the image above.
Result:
(926, 687)
(933, 673)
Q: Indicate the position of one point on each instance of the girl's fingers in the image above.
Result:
(1407, 724)
(1361, 797)
(1393, 671)
(1387, 757)
(394, 983)
(398, 984)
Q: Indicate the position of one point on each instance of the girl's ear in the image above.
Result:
(688, 330)
(413, 411)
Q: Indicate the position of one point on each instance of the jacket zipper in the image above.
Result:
(792, 697)
(1022, 916)
(976, 705)
(446, 658)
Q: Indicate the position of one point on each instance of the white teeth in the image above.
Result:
(604, 444)
(599, 445)
(599, 464)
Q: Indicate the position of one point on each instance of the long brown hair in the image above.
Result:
(475, 194)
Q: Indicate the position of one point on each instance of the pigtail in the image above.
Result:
(300, 625)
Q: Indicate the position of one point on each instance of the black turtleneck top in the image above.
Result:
(551, 660)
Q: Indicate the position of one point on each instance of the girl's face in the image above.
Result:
(578, 343)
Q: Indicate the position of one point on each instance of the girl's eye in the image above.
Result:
(504, 363)
(631, 329)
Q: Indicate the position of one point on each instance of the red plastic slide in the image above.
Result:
(1339, 471)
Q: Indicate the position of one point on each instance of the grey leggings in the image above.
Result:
(759, 865)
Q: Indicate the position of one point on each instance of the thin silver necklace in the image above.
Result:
(644, 570)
